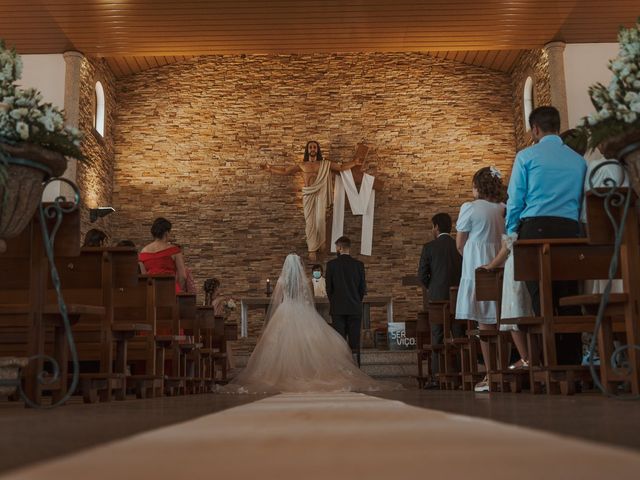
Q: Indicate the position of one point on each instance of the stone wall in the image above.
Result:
(95, 175)
(190, 138)
(534, 64)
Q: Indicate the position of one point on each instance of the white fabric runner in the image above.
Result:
(362, 203)
(340, 436)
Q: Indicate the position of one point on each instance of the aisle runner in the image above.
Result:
(341, 436)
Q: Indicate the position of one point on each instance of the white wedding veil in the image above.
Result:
(293, 285)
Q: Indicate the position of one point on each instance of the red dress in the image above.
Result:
(159, 263)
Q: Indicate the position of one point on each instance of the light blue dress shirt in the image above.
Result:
(546, 181)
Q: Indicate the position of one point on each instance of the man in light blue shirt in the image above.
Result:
(545, 196)
(547, 178)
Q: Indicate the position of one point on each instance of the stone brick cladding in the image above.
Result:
(95, 176)
(190, 138)
(533, 63)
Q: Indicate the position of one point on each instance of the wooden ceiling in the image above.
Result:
(138, 34)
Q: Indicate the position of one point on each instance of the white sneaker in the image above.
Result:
(482, 386)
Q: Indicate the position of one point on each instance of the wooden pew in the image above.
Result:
(489, 288)
(468, 347)
(213, 328)
(92, 278)
(152, 301)
(27, 319)
(621, 314)
(439, 313)
(195, 365)
(424, 349)
(205, 326)
(544, 261)
(422, 329)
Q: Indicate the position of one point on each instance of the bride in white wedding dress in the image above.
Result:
(298, 351)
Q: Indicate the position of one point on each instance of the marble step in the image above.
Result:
(376, 357)
(389, 370)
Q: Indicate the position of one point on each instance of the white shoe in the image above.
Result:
(482, 386)
(520, 364)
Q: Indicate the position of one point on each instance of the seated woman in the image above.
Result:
(161, 256)
(94, 238)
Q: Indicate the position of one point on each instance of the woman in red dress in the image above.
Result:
(161, 256)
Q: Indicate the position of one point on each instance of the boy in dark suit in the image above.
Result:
(346, 287)
(440, 268)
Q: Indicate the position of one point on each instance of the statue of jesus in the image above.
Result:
(317, 193)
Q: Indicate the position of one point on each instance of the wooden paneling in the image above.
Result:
(142, 34)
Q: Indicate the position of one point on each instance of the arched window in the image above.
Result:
(528, 101)
(98, 120)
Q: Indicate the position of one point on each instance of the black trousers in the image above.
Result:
(568, 345)
(349, 327)
(437, 337)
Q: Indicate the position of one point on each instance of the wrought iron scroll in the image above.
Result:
(613, 198)
(56, 211)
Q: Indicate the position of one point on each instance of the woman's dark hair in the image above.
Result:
(306, 151)
(315, 267)
(160, 227)
(443, 221)
(576, 141)
(125, 243)
(94, 238)
(489, 184)
(211, 284)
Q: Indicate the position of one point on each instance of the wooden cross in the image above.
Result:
(359, 170)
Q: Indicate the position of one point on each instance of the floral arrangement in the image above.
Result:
(26, 119)
(229, 305)
(618, 105)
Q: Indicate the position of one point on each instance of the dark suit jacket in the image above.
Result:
(346, 285)
(440, 267)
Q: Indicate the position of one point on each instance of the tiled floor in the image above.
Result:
(29, 435)
(589, 416)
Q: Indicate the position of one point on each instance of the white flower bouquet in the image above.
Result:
(25, 120)
(229, 305)
(617, 105)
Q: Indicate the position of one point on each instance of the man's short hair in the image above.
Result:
(343, 242)
(546, 118)
(443, 221)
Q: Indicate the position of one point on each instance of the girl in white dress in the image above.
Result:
(480, 228)
(516, 301)
(298, 351)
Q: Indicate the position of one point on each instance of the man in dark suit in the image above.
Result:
(440, 268)
(346, 287)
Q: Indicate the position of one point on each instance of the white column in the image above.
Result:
(73, 61)
(555, 54)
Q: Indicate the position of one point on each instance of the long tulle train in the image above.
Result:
(299, 352)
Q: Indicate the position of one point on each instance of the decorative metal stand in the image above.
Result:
(612, 198)
(55, 210)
